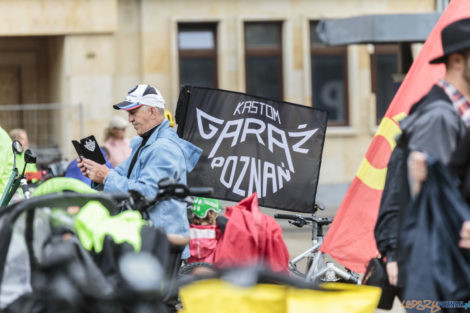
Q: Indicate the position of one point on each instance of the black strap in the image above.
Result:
(145, 138)
(134, 158)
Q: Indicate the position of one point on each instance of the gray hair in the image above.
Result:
(159, 110)
(15, 133)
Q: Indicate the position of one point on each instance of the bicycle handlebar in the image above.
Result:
(304, 219)
(201, 191)
(119, 196)
(167, 189)
(288, 216)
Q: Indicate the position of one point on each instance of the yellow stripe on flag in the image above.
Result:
(375, 177)
(371, 176)
(390, 129)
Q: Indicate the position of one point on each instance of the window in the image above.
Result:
(384, 65)
(441, 5)
(329, 79)
(263, 59)
(197, 48)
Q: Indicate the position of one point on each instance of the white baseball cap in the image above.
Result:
(141, 95)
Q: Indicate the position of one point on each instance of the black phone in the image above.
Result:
(89, 148)
(77, 147)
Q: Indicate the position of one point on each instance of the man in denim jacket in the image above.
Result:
(157, 153)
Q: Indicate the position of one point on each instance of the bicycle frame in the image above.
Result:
(17, 180)
(10, 188)
(317, 268)
(307, 253)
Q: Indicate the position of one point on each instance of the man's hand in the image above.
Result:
(95, 171)
(81, 166)
(418, 169)
(465, 235)
(392, 272)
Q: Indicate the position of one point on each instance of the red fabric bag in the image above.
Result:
(251, 238)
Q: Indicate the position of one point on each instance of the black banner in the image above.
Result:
(253, 144)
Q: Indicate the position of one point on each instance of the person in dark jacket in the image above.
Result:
(465, 235)
(434, 127)
(459, 166)
(432, 265)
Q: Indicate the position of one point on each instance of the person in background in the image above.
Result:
(459, 166)
(21, 135)
(202, 230)
(434, 127)
(116, 141)
(6, 159)
(465, 235)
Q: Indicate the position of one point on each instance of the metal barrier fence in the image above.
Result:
(49, 126)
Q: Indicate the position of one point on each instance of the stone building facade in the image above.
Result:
(84, 55)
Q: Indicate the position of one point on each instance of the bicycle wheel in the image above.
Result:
(189, 267)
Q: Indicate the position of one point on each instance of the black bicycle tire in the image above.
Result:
(189, 267)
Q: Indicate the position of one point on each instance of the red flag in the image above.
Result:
(350, 239)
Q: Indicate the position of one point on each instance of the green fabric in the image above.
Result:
(6, 159)
(20, 164)
(203, 205)
(60, 218)
(94, 223)
(59, 184)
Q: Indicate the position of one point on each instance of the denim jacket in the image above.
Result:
(164, 155)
